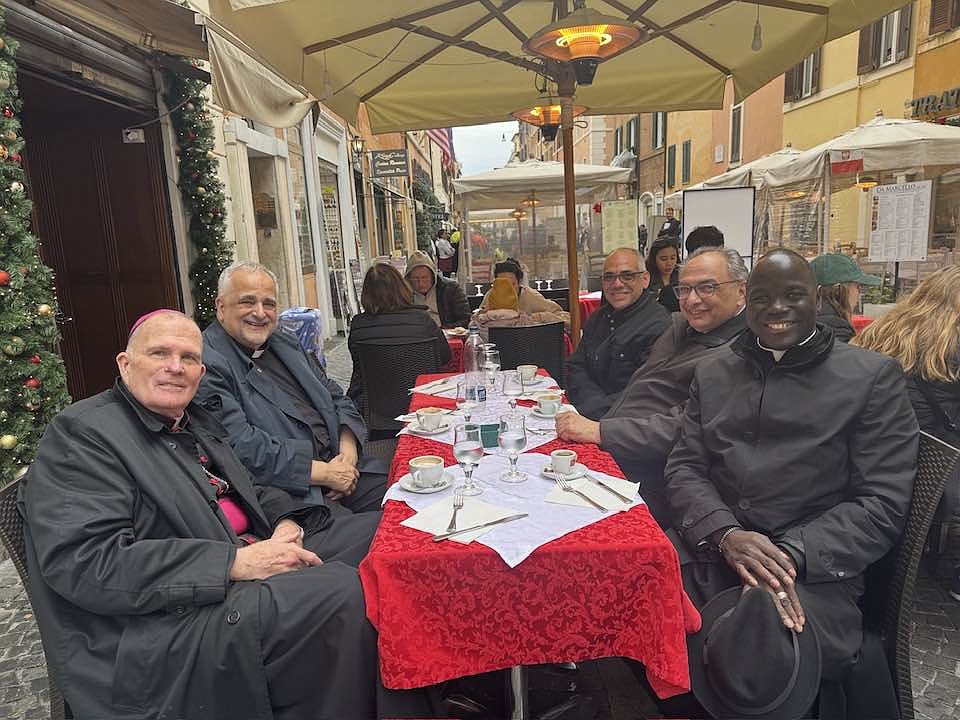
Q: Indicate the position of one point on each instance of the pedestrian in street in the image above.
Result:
(838, 292)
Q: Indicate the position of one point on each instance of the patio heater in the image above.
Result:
(532, 202)
(519, 215)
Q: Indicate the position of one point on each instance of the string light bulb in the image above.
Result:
(757, 43)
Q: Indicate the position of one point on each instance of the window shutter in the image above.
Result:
(815, 83)
(685, 162)
(940, 12)
(790, 82)
(903, 31)
(869, 49)
(671, 166)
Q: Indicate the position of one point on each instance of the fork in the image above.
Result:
(541, 431)
(457, 504)
(567, 487)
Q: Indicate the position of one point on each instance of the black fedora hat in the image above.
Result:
(745, 664)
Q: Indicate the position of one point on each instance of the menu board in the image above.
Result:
(900, 221)
(619, 218)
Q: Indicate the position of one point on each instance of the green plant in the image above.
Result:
(877, 295)
(426, 226)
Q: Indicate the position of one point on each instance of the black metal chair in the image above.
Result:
(388, 371)
(532, 345)
(11, 533)
(891, 583)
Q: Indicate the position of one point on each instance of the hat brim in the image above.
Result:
(871, 280)
(808, 678)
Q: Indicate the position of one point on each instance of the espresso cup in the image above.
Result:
(548, 403)
(429, 418)
(527, 372)
(563, 461)
(426, 470)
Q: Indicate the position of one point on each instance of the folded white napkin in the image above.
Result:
(435, 518)
(594, 492)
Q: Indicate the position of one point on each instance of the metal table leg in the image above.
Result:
(518, 693)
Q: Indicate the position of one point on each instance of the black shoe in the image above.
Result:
(955, 586)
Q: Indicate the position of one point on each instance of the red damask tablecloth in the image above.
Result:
(589, 302)
(859, 322)
(445, 610)
(456, 356)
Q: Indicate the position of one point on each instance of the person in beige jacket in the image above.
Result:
(538, 309)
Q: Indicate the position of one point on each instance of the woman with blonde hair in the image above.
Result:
(922, 332)
(838, 292)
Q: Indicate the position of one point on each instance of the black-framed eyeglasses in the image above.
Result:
(626, 277)
(704, 289)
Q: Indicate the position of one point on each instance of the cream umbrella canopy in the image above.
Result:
(438, 63)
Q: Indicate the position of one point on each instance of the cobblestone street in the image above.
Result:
(935, 657)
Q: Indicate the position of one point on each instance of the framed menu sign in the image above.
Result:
(900, 221)
(389, 163)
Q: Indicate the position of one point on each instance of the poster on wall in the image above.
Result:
(900, 221)
(619, 218)
(730, 210)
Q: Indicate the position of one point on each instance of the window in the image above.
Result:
(671, 166)
(803, 79)
(736, 132)
(617, 141)
(685, 162)
(658, 130)
(632, 135)
(885, 42)
(944, 15)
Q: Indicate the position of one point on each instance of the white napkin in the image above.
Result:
(438, 387)
(596, 493)
(412, 417)
(435, 518)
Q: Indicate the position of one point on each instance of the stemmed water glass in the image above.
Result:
(512, 438)
(468, 451)
(550, 284)
(466, 400)
(491, 364)
(512, 387)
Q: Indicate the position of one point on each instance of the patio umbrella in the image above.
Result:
(439, 63)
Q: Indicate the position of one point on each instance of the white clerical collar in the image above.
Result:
(777, 354)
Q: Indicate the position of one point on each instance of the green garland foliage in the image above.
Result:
(32, 377)
(202, 191)
(426, 226)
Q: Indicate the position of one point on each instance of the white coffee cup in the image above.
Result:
(548, 403)
(527, 372)
(426, 470)
(429, 417)
(563, 461)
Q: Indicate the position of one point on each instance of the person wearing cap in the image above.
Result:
(444, 298)
(166, 583)
(794, 468)
(838, 292)
(530, 303)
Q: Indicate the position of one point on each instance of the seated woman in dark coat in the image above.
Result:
(389, 317)
(838, 292)
(664, 273)
(922, 332)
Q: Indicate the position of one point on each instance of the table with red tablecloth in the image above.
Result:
(589, 304)
(859, 322)
(446, 610)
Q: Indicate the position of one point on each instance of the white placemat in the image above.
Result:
(514, 541)
(435, 518)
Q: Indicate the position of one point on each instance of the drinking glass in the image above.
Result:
(549, 284)
(468, 451)
(512, 438)
(479, 288)
(491, 364)
(539, 284)
(512, 387)
(466, 401)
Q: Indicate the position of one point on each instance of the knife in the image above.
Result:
(508, 518)
(602, 484)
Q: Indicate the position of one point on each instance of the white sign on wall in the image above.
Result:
(619, 218)
(900, 221)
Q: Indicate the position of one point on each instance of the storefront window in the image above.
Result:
(301, 205)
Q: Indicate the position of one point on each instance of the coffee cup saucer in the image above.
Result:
(577, 471)
(416, 429)
(536, 411)
(406, 482)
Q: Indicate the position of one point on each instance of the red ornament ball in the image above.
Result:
(32, 383)
(4, 277)
(8, 112)
(35, 359)
(16, 158)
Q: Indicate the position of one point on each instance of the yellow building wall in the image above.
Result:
(696, 126)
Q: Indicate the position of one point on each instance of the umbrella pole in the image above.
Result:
(570, 210)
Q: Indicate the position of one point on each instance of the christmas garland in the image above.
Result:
(202, 191)
(32, 377)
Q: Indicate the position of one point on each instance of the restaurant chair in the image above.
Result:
(540, 345)
(891, 583)
(388, 371)
(11, 533)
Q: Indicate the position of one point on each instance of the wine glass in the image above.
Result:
(468, 450)
(549, 284)
(512, 387)
(539, 284)
(512, 438)
(479, 288)
(491, 364)
(466, 400)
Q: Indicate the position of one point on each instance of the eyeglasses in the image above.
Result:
(705, 289)
(625, 277)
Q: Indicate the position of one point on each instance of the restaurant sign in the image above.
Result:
(389, 163)
(933, 104)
